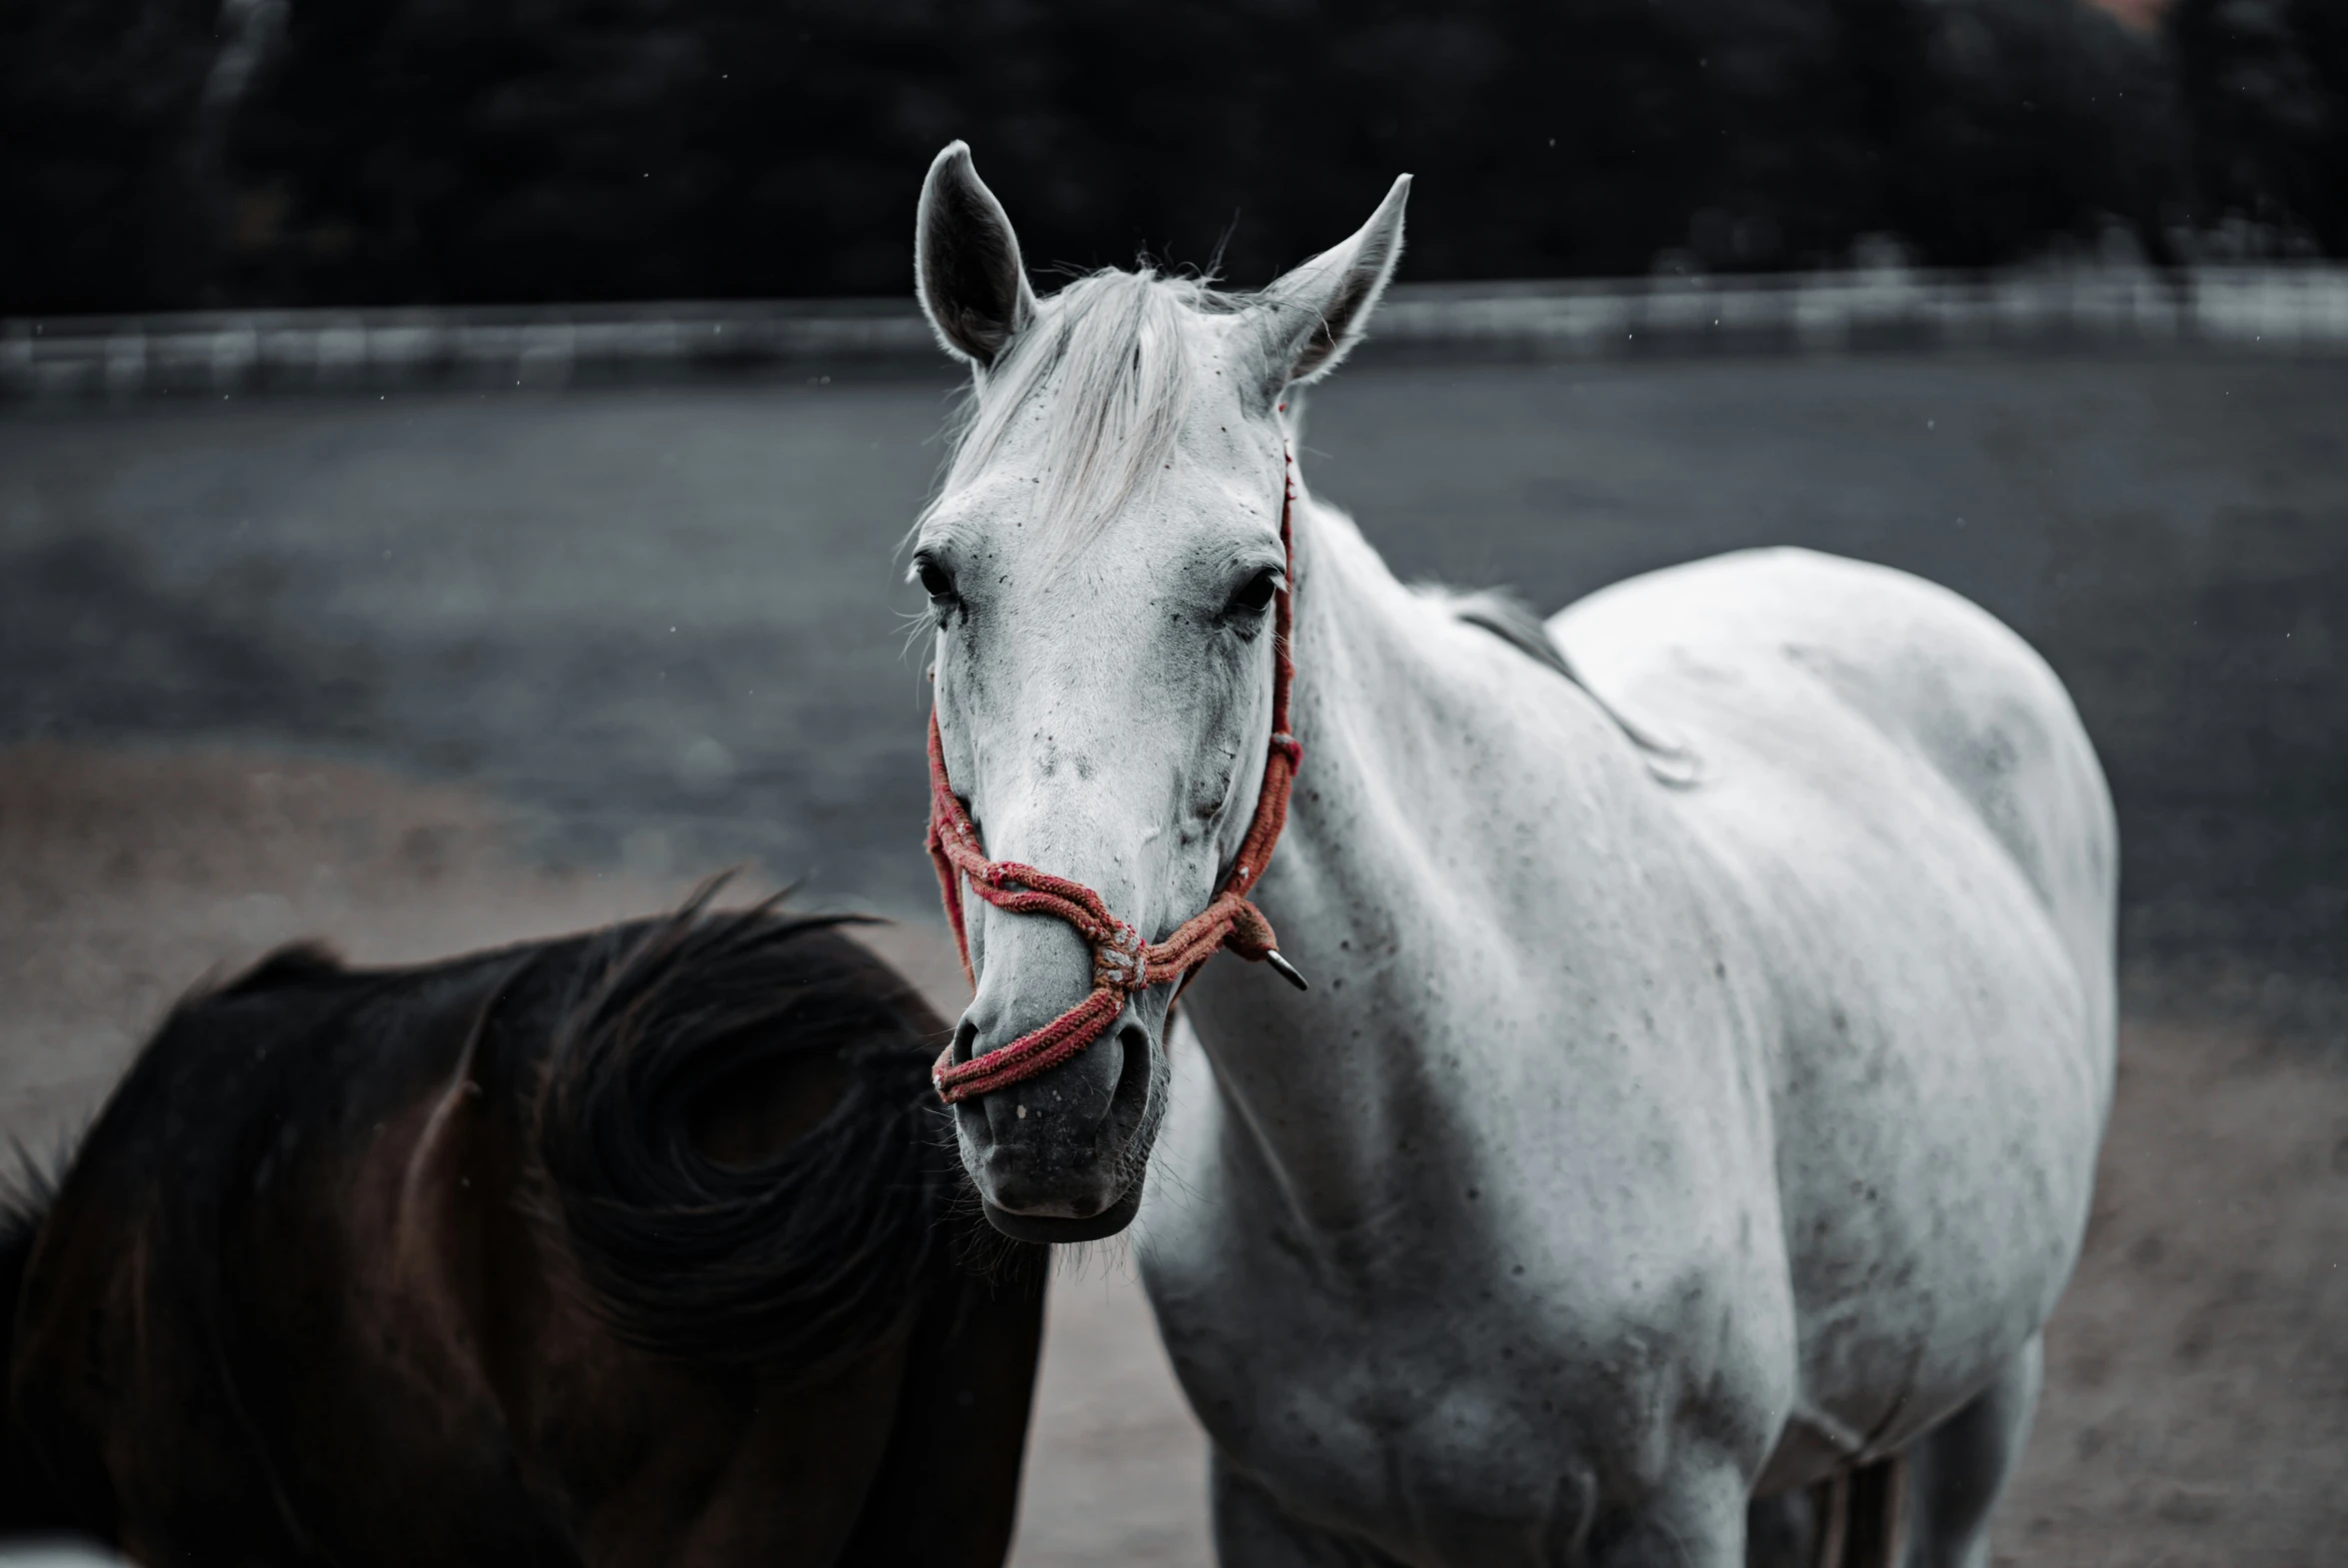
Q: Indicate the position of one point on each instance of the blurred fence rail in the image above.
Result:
(2275, 310)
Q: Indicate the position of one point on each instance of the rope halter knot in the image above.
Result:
(1121, 958)
(1124, 965)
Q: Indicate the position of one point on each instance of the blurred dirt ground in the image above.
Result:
(2197, 1401)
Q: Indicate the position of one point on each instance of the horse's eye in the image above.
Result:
(935, 581)
(1256, 592)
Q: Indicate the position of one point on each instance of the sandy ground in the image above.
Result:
(2197, 1402)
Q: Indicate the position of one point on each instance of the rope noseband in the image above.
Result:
(1122, 964)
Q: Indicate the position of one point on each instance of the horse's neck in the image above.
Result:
(1374, 889)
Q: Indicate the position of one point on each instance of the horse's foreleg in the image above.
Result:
(1252, 1530)
(1787, 1530)
(1694, 1519)
(1958, 1469)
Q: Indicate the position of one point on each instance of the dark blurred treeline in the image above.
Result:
(160, 154)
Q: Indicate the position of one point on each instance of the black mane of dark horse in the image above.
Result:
(646, 1245)
(799, 1258)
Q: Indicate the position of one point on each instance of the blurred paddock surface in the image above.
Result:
(2283, 310)
(668, 625)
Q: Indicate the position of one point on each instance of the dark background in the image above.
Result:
(167, 154)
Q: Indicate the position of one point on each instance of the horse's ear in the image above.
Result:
(1310, 318)
(966, 262)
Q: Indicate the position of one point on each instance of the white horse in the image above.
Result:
(1710, 1040)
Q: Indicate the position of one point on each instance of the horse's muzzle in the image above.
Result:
(1058, 1157)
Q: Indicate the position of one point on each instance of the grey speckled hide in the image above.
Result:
(1698, 1096)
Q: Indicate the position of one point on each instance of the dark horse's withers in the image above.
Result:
(643, 1246)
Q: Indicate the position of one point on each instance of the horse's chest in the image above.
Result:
(1478, 1427)
(1496, 1340)
(1396, 1435)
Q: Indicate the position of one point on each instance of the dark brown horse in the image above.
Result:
(643, 1246)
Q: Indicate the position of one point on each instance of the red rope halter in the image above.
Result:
(1122, 964)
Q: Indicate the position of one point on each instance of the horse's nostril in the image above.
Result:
(1131, 1094)
(970, 1115)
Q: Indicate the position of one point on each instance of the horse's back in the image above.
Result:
(184, 1287)
(1905, 818)
(1797, 632)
